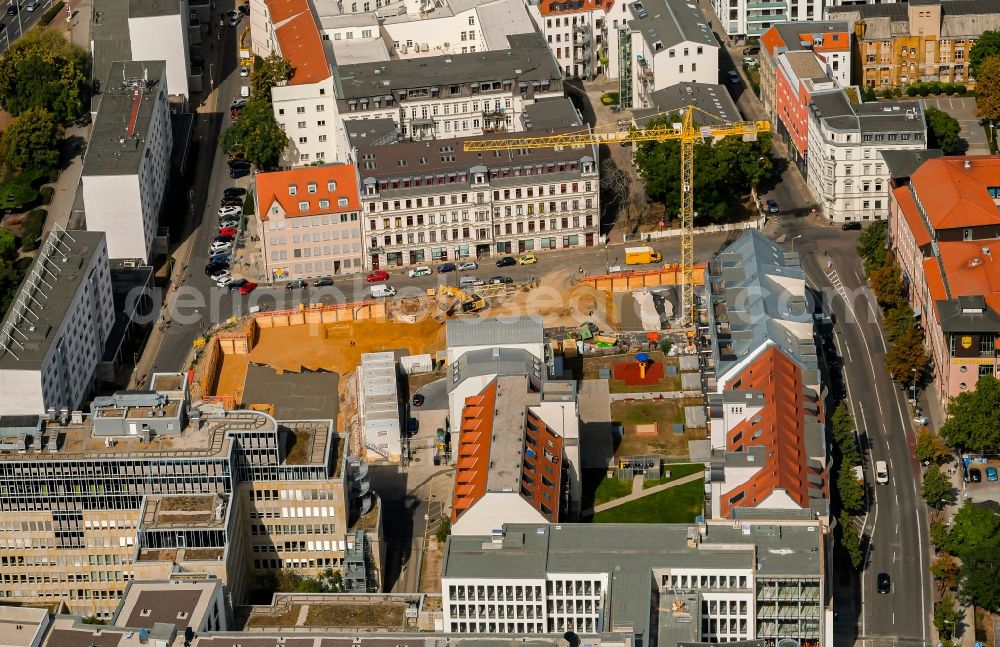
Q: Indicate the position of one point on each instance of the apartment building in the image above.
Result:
(127, 165)
(944, 231)
(309, 219)
(432, 201)
(53, 335)
(829, 42)
(742, 19)
(666, 43)
(798, 77)
(233, 495)
(845, 172)
(927, 40)
(142, 30)
(534, 578)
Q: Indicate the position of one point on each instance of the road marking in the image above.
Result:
(841, 351)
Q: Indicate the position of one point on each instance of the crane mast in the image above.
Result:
(686, 132)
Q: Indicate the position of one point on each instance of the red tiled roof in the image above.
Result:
(473, 468)
(780, 428)
(300, 43)
(770, 40)
(281, 10)
(914, 222)
(274, 187)
(561, 7)
(968, 270)
(954, 196)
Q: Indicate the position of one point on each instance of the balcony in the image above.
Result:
(581, 54)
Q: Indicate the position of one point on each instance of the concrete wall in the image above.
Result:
(164, 38)
(493, 510)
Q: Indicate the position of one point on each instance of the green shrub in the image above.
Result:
(20, 190)
(45, 194)
(31, 229)
(8, 245)
(935, 87)
(960, 89)
(610, 98)
(912, 90)
(53, 11)
(949, 89)
(924, 89)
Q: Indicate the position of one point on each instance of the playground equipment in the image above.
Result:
(643, 360)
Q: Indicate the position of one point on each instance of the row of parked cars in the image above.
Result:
(220, 253)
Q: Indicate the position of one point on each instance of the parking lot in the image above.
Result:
(985, 490)
(963, 109)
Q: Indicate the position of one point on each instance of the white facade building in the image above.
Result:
(750, 18)
(665, 43)
(128, 159)
(159, 31)
(535, 578)
(52, 337)
(378, 406)
(846, 172)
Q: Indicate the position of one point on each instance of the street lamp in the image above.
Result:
(914, 385)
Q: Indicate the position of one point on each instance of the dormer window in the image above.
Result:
(292, 189)
(331, 186)
(311, 187)
(341, 202)
(304, 206)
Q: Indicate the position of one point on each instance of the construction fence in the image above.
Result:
(322, 314)
(669, 274)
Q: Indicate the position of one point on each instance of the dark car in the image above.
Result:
(975, 476)
(751, 51)
(231, 202)
(323, 282)
(212, 268)
(12, 10)
(234, 192)
(239, 168)
(446, 267)
(418, 400)
(496, 280)
(244, 9)
(772, 206)
(411, 427)
(506, 261)
(297, 284)
(884, 583)
(220, 258)
(238, 103)
(233, 286)
(851, 226)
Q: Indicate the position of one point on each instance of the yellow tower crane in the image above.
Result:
(686, 131)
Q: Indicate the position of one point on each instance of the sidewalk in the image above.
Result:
(638, 492)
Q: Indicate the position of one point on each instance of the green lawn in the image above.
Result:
(611, 489)
(679, 504)
(20, 189)
(677, 471)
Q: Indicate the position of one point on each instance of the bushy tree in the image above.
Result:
(973, 422)
(908, 356)
(44, 70)
(946, 617)
(850, 539)
(31, 141)
(852, 493)
(268, 72)
(724, 171)
(8, 245)
(943, 131)
(944, 568)
(898, 321)
(937, 489)
(980, 578)
(929, 447)
(872, 245)
(257, 133)
(988, 89)
(987, 46)
(973, 530)
(887, 283)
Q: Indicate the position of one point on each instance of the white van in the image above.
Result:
(244, 91)
(382, 291)
(469, 282)
(881, 472)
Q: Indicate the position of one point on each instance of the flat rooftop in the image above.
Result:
(21, 626)
(43, 301)
(296, 396)
(551, 113)
(507, 443)
(128, 101)
(177, 603)
(495, 331)
(306, 442)
(184, 511)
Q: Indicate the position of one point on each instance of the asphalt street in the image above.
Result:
(896, 524)
(17, 25)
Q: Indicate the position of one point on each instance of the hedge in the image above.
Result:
(53, 11)
(31, 229)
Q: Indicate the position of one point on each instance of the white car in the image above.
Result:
(233, 17)
(419, 271)
(230, 212)
(32, 5)
(244, 70)
(244, 91)
(468, 265)
(224, 281)
(219, 247)
(221, 274)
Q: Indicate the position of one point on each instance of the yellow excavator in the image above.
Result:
(451, 300)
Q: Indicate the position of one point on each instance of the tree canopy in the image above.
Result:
(31, 141)
(268, 72)
(973, 530)
(980, 578)
(987, 46)
(988, 89)
(943, 131)
(257, 133)
(724, 171)
(871, 245)
(929, 447)
(973, 422)
(44, 70)
(937, 489)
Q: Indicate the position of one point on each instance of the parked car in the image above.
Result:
(752, 51)
(411, 427)
(496, 280)
(851, 226)
(236, 284)
(884, 583)
(419, 271)
(32, 5)
(245, 91)
(468, 265)
(229, 222)
(772, 206)
(230, 211)
(975, 476)
(233, 18)
(244, 9)
(418, 400)
(248, 287)
(220, 258)
(218, 247)
(444, 268)
(296, 284)
(234, 191)
(231, 202)
(238, 103)
(733, 76)
(223, 239)
(224, 281)
(376, 276)
(213, 268)
(239, 168)
(527, 259)
(991, 474)
(244, 71)
(323, 282)
(12, 10)
(506, 261)
(469, 282)
(228, 231)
